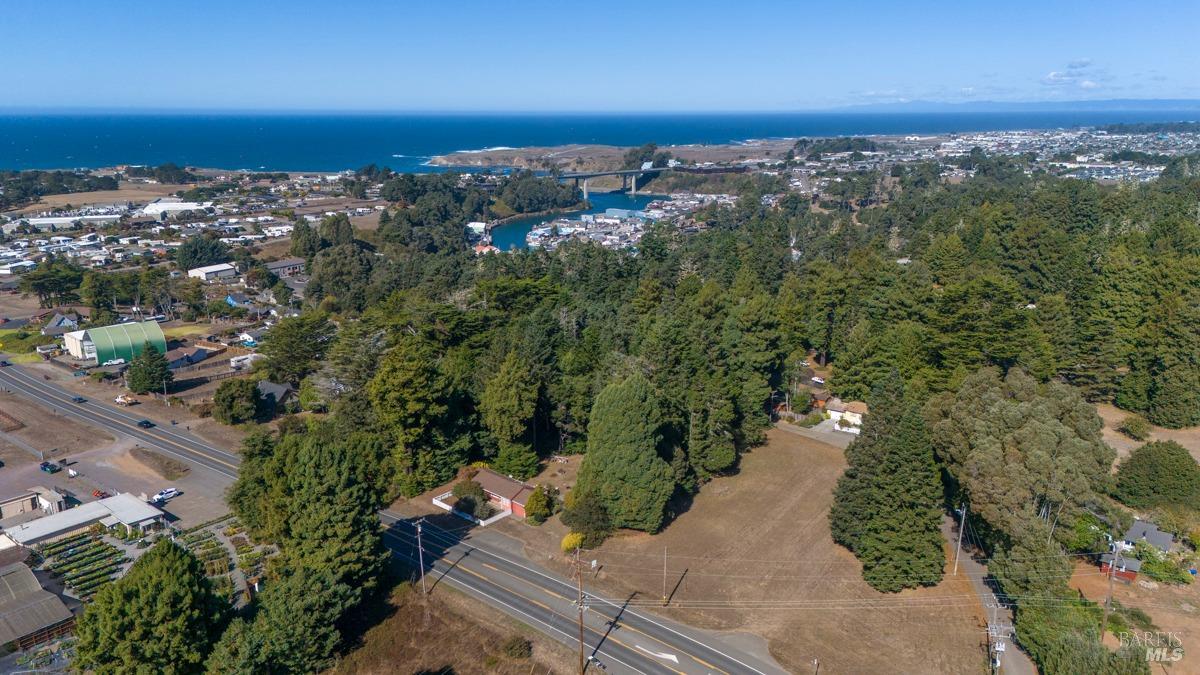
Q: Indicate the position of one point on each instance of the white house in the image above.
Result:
(847, 417)
(213, 272)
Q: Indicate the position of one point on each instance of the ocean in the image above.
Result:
(333, 142)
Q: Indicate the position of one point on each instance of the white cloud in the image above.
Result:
(1088, 84)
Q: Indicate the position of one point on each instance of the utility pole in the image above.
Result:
(998, 634)
(664, 576)
(421, 557)
(1112, 567)
(579, 580)
(962, 525)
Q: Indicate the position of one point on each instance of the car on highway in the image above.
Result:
(4, 363)
(145, 424)
(50, 467)
(78, 399)
(164, 495)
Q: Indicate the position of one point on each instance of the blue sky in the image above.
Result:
(611, 55)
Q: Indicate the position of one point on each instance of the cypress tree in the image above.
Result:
(161, 617)
(622, 466)
(886, 505)
(148, 371)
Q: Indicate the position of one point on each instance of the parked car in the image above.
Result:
(164, 495)
(50, 467)
(78, 399)
(114, 362)
(818, 380)
(100, 494)
(145, 424)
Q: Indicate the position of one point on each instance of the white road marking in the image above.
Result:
(662, 655)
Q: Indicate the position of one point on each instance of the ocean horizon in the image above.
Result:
(406, 142)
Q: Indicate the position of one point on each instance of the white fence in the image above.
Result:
(439, 501)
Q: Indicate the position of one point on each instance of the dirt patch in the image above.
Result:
(170, 469)
(448, 633)
(1174, 609)
(49, 430)
(753, 554)
(17, 306)
(1188, 437)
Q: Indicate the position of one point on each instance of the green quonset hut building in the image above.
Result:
(118, 341)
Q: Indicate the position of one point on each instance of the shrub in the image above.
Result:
(471, 499)
(812, 419)
(1159, 566)
(587, 515)
(537, 508)
(571, 541)
(1158, 474)
(517, 647)
(1135, 427)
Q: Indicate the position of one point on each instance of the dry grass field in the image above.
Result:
(1188, 437)
(1173, 609)
(761, 537)
(448, 634)
(127, 192)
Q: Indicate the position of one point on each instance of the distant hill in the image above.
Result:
(1119, 104)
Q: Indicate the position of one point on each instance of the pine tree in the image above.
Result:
(160, 617)
(622, 466)
(947, 259)
(509, 400)
(148, 371)
(517, 460)
(1174, 368)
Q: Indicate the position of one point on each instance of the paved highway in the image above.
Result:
(622, 640)
(171, 440)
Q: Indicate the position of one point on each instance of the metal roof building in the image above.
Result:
(29, 614)
(120, 509)
(118, 341)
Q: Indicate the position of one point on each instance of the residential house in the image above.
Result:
(250, 338)
(61, 323)
(1125, 569)
(237, 299)
(847, 416)
(506, 493)
(274, 395)
(1143, 530)
(185, 356)
(288, 267)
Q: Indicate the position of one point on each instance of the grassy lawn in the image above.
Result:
(188, 330)
(19, 340)
(27, 357)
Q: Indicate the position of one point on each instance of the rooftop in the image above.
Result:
(26, 607)
(124, 507)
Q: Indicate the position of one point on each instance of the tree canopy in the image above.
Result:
(160, 617)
